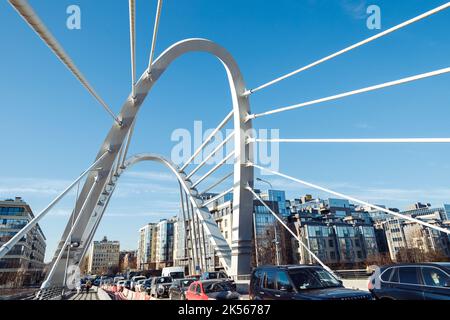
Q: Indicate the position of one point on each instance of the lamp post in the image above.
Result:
(277, 248)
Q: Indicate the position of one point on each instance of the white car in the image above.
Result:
(135, 280)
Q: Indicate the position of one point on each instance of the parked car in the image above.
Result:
(421, 281)
(218, 275)
(211, 290)
(300, 282)
(160, 287)
(177, 290)
(134, 281)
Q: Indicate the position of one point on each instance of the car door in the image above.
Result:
(284, 287)
(434, 283)
(409, 286)
(268, 286)
(190, 293)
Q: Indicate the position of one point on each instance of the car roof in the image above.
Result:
(444, 265)
(210, 281)
(288, 267)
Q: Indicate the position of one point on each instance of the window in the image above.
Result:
(408, 275)
(357, 243)
(331, 243)
(282, 280)
(198, 290)
(434, 277)
(359, 254)
(386, 275)
(269, 280)
(394, 276)
(257, 278)
(332, 255)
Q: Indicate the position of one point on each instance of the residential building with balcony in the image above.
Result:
(24, 264)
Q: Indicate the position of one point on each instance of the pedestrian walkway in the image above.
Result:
(92, 295)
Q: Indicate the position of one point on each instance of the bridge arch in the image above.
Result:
(95, 194)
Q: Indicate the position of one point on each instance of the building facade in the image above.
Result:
(104, 257)
(403, 236)
(24, 264)
(337, 232)
(146, 253)
(128, 261)
(164, 244)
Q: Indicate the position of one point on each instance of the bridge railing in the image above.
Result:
(51, 293)
(353, 274)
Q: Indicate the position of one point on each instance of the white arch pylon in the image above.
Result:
(98, 183)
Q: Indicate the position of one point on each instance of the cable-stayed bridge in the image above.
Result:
(112, 160)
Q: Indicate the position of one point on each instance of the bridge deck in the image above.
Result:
(91, 295)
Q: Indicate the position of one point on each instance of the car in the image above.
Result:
(419, 281)
(120, 285)
(218, 275)
(300, 282)
(117, 279)
(174, 272)
(139, 287)
(146, 286)
(214, 275)
(211, 290)
(177, 290)
(160, 287)
(134, 281)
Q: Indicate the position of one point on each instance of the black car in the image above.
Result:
(422, 281)
(177, 290)
(147, 285)
(160, 287)
(300, 282)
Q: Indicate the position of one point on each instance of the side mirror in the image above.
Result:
(447, 284)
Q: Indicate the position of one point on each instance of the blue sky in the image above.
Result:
(51, 128)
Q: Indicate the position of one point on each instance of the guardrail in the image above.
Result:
(53, 293)
(353, 274)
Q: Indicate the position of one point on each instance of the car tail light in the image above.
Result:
(370, 284)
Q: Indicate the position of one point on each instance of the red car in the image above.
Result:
(211, 290)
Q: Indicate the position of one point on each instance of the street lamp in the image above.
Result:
(277, 249)
(265, 181)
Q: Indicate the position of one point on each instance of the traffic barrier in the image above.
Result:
(126, 294)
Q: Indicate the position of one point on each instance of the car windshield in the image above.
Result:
(313, 278)
(164, 280)
(177, 275)
(212, 275)
(217, 287)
